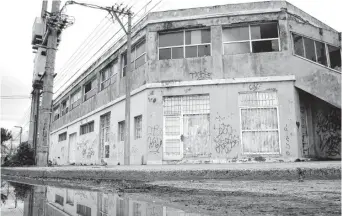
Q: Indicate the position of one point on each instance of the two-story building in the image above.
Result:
(238, 82)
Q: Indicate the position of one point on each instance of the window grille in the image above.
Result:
(251, 39)
(137, 127)
(184, 44)
(192, 104)
(105, 130)
(259, 122)
(87, 128)
(121, 132)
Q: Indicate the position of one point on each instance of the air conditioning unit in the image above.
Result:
(37, 32)
(39, 64)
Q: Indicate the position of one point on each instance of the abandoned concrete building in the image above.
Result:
(230, 83)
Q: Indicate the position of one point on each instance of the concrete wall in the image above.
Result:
(224, 112)
(87, 148)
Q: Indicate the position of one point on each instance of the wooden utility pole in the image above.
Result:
(46, 109)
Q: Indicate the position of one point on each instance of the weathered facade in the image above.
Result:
(239, 82)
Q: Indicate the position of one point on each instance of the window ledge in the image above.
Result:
(326, 67)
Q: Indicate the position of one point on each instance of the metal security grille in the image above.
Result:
(259, 122)
(105, 129)
(176, 109)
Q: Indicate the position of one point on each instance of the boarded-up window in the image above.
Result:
(259, 122)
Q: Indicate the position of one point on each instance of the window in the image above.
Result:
(108, 73)
(251, 39)
(56, 113)
(121, 132)
(83, 210)
(75, 98)
(70, 197)
(87, 128)
(188, 44)
(105, 130)
(65, 107)
(136, 209)
(259, 122)
(89, 89)
(59, 199)
(317, 51)
(104, 205)
(138, 56)
(137, 127)
(120, 207)
(62, 137)
(334, 57)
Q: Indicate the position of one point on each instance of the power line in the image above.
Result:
(108, 42)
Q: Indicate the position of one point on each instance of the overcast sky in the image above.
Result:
(17, 17)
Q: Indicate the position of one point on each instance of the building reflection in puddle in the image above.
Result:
(55, 201)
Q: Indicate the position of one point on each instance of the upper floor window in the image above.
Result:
(89, 89)
(65, 107)
(108, 73)
(188, 44)
(138, 56)
(62, 137)
(251, 39)
(316, 51)
(87, 128)
(56, 113)
(75, 98)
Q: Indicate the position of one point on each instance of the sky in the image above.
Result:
(80, 41)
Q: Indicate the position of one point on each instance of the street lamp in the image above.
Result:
(21, 130)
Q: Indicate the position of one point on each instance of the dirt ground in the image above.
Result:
(217, 197)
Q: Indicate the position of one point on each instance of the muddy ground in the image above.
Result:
(217, 197)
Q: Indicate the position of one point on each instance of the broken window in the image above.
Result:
(335, 57)
(62, 137)
(298, 44)
(89, 89)
(75, 98)
(188, 44)
(87, 128)
(138, 56)
(251, 38)
(107, 74)
(309, 47)
(259, 122)
(317, 51)
(121, 131)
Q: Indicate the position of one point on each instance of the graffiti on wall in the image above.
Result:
(304, 130)
(154, 138)
(87, 147)
(200, 75)
(226, 137)
(328, 129)
(254, 86)
(151, 97)
(287, 141)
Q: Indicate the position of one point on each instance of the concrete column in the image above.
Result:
(216, 52)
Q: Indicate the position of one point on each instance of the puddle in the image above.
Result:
(35, 200)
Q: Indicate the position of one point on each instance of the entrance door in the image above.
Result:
(104, 132)
(71, 150)
(196, 135)
(186, 126)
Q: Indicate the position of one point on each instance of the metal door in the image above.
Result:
(71, 150)
(173, 146)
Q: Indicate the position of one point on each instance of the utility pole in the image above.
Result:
(115, 11)
(45, 113)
